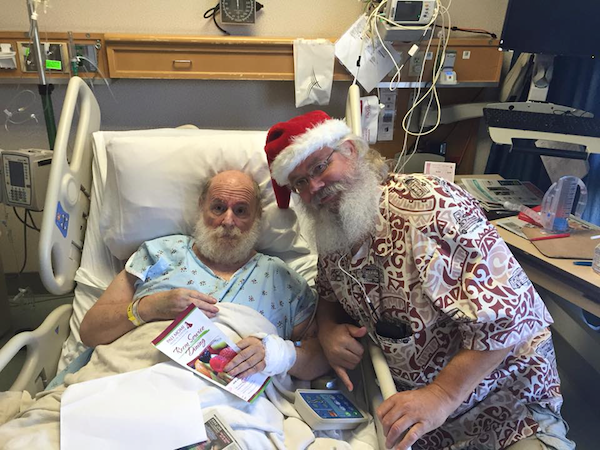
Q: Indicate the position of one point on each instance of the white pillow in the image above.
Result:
(153, 184)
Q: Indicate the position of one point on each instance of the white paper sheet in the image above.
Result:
(313, 71)
(375, 63)
(443, 170)
(154, 408)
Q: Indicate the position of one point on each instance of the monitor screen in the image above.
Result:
(17, 173)
(408, 11)
(554, 27)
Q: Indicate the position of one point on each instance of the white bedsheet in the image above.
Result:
(270, 422)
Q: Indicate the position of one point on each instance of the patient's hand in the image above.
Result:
(342, 348)
(168, 304)
(250, 359)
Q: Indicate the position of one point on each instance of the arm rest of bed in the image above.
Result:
(43, 351)
(387, 387)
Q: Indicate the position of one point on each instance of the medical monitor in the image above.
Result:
(553, 27)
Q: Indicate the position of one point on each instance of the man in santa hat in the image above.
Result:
(412, 262)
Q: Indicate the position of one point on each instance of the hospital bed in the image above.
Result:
(114, 190)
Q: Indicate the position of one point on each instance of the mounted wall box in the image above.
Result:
(55, 57)
(8, 57)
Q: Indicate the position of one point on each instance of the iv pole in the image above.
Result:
(44, 88)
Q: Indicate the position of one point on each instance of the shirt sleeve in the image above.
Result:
(147, 262)
(469, 274)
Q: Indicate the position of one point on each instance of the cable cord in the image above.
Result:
(24, 220)
(212, 13)
(24, 247)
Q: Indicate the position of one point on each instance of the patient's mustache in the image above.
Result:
(227, 232)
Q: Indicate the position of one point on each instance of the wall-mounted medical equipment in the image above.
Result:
(238, 12)
(25, 177)
(54, 57)
(8, 58)
(411, 12)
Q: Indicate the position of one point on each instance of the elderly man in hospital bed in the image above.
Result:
(222, 275)
(218, 265)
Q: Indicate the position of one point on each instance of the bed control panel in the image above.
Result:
(25, 177)
(328, 410)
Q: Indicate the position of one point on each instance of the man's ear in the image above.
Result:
(350, 148)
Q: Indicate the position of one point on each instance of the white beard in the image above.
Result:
(225, 246)
(357, 214)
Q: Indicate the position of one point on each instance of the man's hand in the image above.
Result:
(414, 412)
(250, 359)
(168, 304)
(342, 348)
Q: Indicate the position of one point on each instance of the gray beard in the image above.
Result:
(357, 214)
(226, 246)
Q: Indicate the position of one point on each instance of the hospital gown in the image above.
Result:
(264, 283)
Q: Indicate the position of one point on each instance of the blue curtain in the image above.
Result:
(576, 83)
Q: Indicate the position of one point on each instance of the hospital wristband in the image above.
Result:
(133, 315)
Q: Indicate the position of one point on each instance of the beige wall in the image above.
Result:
(207, 104)
(295, 18)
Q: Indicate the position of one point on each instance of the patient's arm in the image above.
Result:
(310, 359)
(107, 320)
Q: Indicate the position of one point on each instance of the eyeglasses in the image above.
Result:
(301, 184)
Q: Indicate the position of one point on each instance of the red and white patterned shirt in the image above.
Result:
(438, 271)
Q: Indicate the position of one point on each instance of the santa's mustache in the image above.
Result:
(327, 191)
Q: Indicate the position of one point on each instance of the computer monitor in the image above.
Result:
(553, 27)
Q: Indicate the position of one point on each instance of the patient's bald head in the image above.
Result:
(228, 227)
(232, 183)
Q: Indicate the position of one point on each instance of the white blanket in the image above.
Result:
(269, 422)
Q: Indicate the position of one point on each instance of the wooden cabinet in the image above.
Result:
(208, 58)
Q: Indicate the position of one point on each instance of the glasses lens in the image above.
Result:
(300, 185)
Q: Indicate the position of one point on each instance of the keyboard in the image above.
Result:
(561, 122)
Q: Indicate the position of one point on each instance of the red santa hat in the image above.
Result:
(290, 143)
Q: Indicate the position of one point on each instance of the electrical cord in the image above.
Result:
(212, 13)
(471, 30)
(24, 247)
(24, 221)
(32, 221)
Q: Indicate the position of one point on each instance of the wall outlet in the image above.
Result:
(416, 63)
(88, 51)
(387, 116)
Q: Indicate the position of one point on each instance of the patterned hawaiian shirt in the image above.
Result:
(439, 278)
(264, 283)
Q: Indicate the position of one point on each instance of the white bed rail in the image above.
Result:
(43, 350)
(67, 199)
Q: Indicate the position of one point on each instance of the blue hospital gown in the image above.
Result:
(265, 283)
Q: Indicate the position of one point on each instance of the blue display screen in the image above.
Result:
(331, 406)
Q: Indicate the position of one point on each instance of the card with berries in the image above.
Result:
(196, 343)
